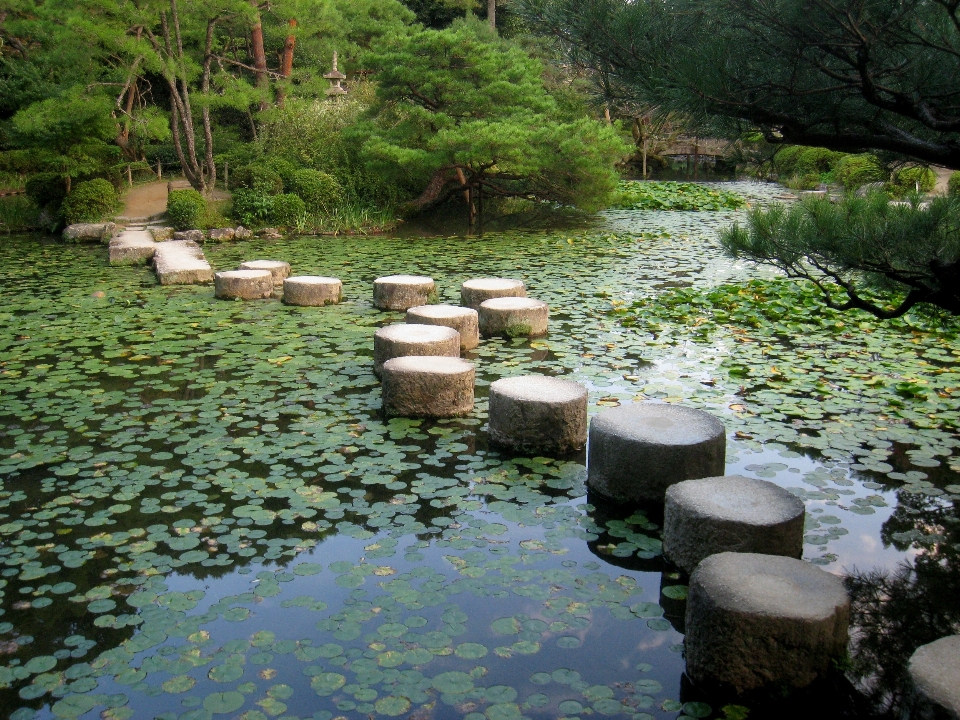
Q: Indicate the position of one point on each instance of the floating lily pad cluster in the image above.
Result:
(203, 513)
(668, 195)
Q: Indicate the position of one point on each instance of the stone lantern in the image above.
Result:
(335, 77)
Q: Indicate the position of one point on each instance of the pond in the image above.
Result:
(203, 513)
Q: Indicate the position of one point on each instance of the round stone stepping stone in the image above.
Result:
(312, 290)
(279, 269)
(400, 340)
(513, 317)
(428, 386)
(763, 620)
(243, 284)
(732, 513)
(401, 292)
(463, 320)
(934, 669)
(637, 451)
(474, 292)
(536, 413)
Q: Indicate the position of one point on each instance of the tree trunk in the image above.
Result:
(492, 13)
(259, 54)
(286, 64)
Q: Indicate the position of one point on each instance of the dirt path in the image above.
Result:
(144, 201)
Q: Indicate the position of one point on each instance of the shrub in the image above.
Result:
(802, 161)
(855, 171)
(287, 211)
(953, 185)
(284, 168)
(186, 209)
(911, 179)
(89, 201)
(46, 189)
(18, 213)
(320, 192)
(251, 208)
(259, 179)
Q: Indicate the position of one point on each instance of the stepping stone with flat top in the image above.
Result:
(400, 340)
(637, 451)
(279, 269)
(730, 514)
(244, 284)
(132, 247)
(934, 670)
(428, 386)
(401, 292)
(513, 317)
(181, 262)
(312, 290)
(535, 413)
(476, 291)
(756, 621)
(463, 320)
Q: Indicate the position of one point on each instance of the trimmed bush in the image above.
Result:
(186, 209)
(287, 210)
(855, 171)
(953, 185)
(320, 192)
(89, 201)
(251, 208)
(284, 168)
(910, 179)
(46, 189)
(259, 179)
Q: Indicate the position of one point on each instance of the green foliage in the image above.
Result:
(953, 184)
(656, 195)
(259, 178)
(318, 190)
(913, 179)
(89, 201)
(855, 171)
(886, 258)
(251, 208)
(186, 209)
(284, 169)
(46, 189)
(287, 211)
(465, 100)
(18, 213)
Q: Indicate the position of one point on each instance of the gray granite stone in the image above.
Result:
(513, 317)
(89, 232)
(402, 292)
(196, 236)
(464, 320)
(428, 386)
(243, 284)
(535, 413)
(132, 247)
(401, 340)
(161, 234)
(312, 290)
(279, 269)
(222, 234)
(474, 292)
(934, 670)
(181, 262)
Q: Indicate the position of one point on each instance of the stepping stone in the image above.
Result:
(243, 284)
(400, 340)
(279, 269)
(637, 451)
(513, 317)
(535, 413)
(463, 320)
(755, 621)
(474, 292)
(401, 292)
(730, 514)
(312, 290)
(181, 262)
(934, 670)
(132, 247)
(428, 386)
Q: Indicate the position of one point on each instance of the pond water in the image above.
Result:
(204, 515)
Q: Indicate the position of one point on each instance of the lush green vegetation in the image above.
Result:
(634, 195)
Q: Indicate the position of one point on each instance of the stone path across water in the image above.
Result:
(181, 262)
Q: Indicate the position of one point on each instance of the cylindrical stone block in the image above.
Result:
(401, 292)
(279, 269)
(475, 292)
(463, 320)
(513, 317)
(312, 290)
(757, 621)
(730, 514)
(243, 284)
(535, 413)
(637, 451)
(428, 386)
(400, 340)
(934, 670)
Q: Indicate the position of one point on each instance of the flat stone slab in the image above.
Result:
(637, 451)
(278, 268)
(464, 320)
(475, 292)
(89, 232)
(934, 669)
(312, 290)
(243, 284)
(428, 386)
(408, 339)
(132, 247)
(536, 413)
(514, 317)
(402, 292)
(730, 514)
(181, 262)
(756, 621)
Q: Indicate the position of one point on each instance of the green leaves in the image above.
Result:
(660, 195)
